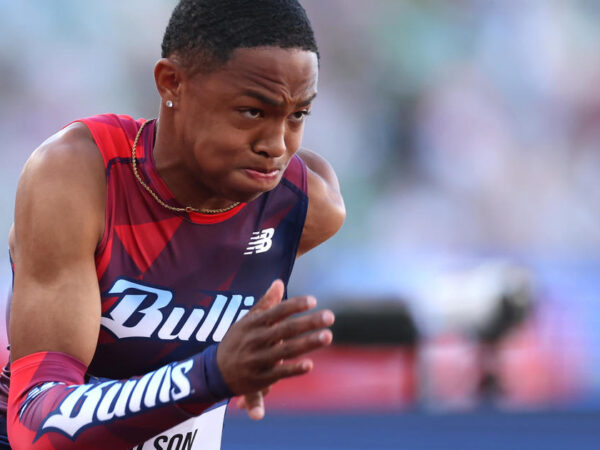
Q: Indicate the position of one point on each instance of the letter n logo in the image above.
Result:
(260, 242)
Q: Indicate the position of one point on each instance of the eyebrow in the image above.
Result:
(271, 101)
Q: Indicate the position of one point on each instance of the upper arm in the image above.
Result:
(59, 220)
(326, 210)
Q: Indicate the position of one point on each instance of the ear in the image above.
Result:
(168, 76)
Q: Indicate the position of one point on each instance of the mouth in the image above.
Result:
(262, 174)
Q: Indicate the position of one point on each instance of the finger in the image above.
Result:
(241, 401)
(272, 297)
(290, 369)
(294, 348)
(299, 325)
(284, 310)
(255, 405)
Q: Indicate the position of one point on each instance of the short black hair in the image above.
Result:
(204, 33)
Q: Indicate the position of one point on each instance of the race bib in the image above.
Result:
(201, 432)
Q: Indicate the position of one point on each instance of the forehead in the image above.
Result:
(288, 74)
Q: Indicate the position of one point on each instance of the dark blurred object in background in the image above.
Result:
(373, 322)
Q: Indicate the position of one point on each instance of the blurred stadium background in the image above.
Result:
(466, 135)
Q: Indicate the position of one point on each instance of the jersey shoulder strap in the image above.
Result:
(296, 173)
(114, 135)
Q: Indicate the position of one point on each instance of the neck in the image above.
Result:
(175, 171)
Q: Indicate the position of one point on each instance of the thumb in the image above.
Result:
(272, 297)
(255, 405)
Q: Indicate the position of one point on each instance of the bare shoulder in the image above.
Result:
(326, 209)
(70, 151)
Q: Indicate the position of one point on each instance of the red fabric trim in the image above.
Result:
(33, 370)
(215, 218)
(28, 370)
(113, 144)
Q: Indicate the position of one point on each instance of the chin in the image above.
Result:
(246, 192)
(247, 196)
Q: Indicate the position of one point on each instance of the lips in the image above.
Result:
(263, 169)
(262, 173)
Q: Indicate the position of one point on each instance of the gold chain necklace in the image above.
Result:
(187, 209)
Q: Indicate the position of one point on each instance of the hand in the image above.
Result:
(255, 351)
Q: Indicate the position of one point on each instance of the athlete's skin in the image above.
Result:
(228, 137)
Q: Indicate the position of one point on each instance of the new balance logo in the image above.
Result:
(260, 241)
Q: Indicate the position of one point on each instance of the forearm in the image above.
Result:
(50, 406)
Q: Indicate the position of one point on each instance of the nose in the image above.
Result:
(271, 142)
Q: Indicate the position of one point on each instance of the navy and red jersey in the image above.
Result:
(172, 283)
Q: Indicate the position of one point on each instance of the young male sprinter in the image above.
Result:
(145, 252)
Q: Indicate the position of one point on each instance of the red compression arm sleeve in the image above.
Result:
(51, 406)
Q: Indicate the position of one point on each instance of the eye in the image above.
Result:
(300, 116)
(251, 113)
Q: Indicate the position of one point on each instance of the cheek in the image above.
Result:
(293, 139)
(218, 148)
